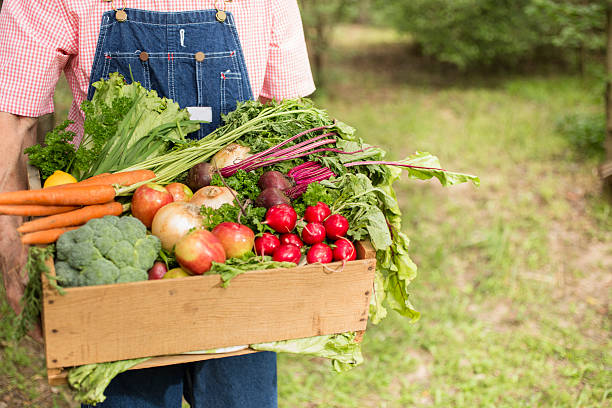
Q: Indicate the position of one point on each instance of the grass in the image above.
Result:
(514, 280)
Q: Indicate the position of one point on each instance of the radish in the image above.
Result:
(266, 244)
(281, 218)
(313, 233)
(336, 226)
(287, 253)
(344, 250)
(291, 239)
(317, 213)
(320, 253)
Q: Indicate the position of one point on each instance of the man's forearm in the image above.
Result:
(16, 133)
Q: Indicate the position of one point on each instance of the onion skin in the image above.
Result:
(174, 220)
(213, 197)
(231, 154)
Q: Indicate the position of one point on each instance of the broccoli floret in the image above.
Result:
(106, 234)
(95, 253)
(147, 250)
(131, 274)
(66, 275)
(122, 254)
(132, 228)
(100, 272)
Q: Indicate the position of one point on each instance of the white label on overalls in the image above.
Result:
(201, 113)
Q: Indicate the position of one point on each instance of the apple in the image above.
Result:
(176, 273)
(237, 239)
(147, 199)
(158, 270)
(179, 191)
(197, 249)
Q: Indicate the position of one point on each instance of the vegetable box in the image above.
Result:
(168, 318)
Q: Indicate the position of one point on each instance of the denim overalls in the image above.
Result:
(189, 57)
(196, 60)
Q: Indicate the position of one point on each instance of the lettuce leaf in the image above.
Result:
(342, 349)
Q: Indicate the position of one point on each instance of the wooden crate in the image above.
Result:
(164, 318)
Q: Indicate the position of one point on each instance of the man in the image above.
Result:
(207, 55)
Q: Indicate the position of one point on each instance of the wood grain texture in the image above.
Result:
(156, 318)
(57, 376)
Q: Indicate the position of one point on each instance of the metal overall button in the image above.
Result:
(199, 56)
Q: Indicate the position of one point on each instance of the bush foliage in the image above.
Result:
(482, 32)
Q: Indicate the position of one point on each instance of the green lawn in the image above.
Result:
(515, 281)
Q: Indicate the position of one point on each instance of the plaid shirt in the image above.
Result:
(41, 38)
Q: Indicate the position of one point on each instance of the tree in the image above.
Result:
(605, 170)
(319, 18)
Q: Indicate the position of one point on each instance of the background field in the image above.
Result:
(515, 277)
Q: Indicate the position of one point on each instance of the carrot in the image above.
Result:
(76, 217)
(124, 178)
(33, 210)
(46, 236)
(77, 195)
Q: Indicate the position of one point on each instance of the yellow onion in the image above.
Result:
(213, 197)
(231, 154)
(174, 220)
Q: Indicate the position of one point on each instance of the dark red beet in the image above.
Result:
(321, 253)
(274, 179)
(270, 197)
(287, 253)
(199, 176)
(317, 213)
(344, 250)
(336, 226)
(281, 218)
(313, 233)
(292, 239)
(266, 244)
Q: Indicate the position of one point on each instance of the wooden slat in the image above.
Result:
(116, 322)
(57, 376)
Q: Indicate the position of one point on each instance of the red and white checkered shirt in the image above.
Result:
(41, 38)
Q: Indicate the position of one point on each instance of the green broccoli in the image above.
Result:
(106, 250)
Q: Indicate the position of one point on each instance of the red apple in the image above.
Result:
(197, 249)
(179, 191)
(147, 199)
(158, 270)
(237, 239)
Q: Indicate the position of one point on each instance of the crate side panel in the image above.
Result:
(153, 318)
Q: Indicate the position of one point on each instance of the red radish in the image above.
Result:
(317, 213)
(336, 226)
(281, 218)
(266, 244)
(344, 250)
(313, 233)
(158, 270)
(291, 239)
(287, 253)
(320, 253)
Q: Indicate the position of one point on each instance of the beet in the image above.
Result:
(270, 197)
(199, 176)
(274, 179)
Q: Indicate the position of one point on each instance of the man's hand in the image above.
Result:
(16, 133)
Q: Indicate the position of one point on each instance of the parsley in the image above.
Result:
(244, 183)
(56, 154)
(252, 217)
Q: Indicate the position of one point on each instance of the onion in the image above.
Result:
(231, 154)
(213, 197)
(174, 220)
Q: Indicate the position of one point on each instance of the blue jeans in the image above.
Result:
(247, 381)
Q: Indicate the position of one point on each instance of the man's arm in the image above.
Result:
(16, 133)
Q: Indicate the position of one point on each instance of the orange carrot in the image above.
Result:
(46, 236)
(76, 217)
(124, 178)
(35, 210)
(81, 195)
